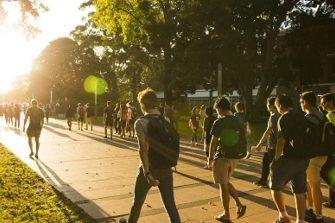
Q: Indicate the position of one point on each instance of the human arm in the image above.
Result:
(25, 119)
(212, 148)
(143, 145)
(264, 137)
(279, 147)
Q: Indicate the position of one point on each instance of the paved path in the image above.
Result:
(98, 175)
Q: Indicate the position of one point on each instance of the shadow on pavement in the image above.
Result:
(51, 176)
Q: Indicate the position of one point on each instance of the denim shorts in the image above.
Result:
(292, 171)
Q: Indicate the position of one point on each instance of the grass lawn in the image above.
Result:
(257, 130)
(26, 197)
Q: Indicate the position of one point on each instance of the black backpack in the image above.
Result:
(163, 142)
(232, 140)
(326, 137)
(306, 137)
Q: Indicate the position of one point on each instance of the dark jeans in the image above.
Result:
(165, 187)
(267, 159)
(194, 135)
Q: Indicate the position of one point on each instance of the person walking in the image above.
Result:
(290, 161)
(36, 120)
(269, 135)
(223, 156)
(328, 105)
(69, 115)
(207, 124)
(89, 114)
(108, 118)
(47, 111)
(308, 103)
(81, 116)
(150, 174)
(17, 115)
(194, 123)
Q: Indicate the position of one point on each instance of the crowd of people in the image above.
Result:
(291, 155)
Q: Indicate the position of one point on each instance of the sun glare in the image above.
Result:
(16, 55)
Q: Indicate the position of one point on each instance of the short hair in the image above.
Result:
(271, 101)
(238, 106)
(147, 98)
(33, 102)
(222, 103)
(328, 97)
(309, 97)
(209, 111)
(284, 101)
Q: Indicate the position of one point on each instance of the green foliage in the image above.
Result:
(26, 197)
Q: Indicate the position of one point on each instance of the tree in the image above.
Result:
(62, 67)
(28, 9)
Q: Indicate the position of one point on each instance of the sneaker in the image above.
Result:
(310, 216)
(282, 220)
(31, 154)
(319, 220)
(329, 204)
(241, 211)
(260, 183)
(36, 156)
(122, 220)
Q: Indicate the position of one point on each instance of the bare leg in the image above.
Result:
(300, 203)
(224, 194)
(233, 193)
(37, 140)
(317, 197)
(30, 143)
(309, 195)
(278, 198)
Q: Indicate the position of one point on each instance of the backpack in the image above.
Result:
(306, 137)
(163, 142)
(232, 140)
(81, 111)
(326, 136)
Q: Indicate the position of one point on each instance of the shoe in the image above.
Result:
(320, 220)
(310, 216)
(329, 204)
(105, 137)
(122, 220)
(196, 144)
(282, 220)
(36, 156)
(241, 211)
(31, 154)
(260, 183)
(221, 218)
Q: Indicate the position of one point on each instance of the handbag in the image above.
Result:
(327, 172)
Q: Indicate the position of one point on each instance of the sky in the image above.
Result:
(17, 52)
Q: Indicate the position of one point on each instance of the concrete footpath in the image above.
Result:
(98, 175)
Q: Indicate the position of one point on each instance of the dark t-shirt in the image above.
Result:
(241, 117)
(109, 113)
(290, 128)
(222, 123)
(195, 119)
(89, 111)
(208, 123)
(273, 124)
(69, 113)
(36, 116)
